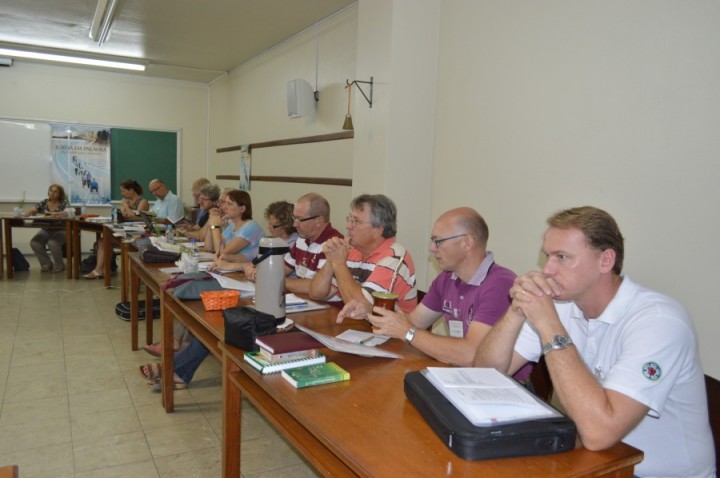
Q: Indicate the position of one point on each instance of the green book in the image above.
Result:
(265, 367)
(315, 375)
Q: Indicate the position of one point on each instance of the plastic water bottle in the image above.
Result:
(114, 215)
(193, 256)
(83, 209)
(169, 234)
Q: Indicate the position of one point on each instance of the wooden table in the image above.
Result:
(10, 471)
(52, 223)
(105, 240)
(366, 426)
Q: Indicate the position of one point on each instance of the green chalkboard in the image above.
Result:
(143, 156)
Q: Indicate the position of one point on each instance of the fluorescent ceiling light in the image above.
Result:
(102, 20)
(72, 59)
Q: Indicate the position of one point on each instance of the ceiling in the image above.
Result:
(197, 40)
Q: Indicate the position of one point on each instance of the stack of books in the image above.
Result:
(285, 351)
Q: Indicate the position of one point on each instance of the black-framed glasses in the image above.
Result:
(303, 219)
(275, 226)
(437, 241)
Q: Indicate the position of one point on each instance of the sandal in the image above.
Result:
(178, 384)
(151, 372)
(155, 350)
(93, 275)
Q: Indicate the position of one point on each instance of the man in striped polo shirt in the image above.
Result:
(311, 216)
(369, 259)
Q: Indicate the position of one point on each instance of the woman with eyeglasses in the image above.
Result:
(54, 205)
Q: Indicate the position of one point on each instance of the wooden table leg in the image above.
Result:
(168, 354)
(69, 247)
(124, 271)
(134, 292)
(149, 315)
(77, 248)
(8, 248)
(232, 414)
(108, 254)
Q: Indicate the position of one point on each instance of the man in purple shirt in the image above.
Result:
(471, 294)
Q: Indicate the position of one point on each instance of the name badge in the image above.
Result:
(456, 328)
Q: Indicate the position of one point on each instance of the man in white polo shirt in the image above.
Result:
(623, 358)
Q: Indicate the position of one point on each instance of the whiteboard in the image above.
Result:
(25, 160)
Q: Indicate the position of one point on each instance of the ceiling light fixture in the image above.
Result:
(33, 55)
(102, 20)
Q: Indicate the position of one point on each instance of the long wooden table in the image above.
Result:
(366, 426)
(362, 427)
(152, 277)
(52, 223)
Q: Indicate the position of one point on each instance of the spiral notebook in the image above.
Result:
(264, 367)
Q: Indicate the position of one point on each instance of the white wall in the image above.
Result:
(548, 105)
(249, 106)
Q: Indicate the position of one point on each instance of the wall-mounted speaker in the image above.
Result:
(300, 98)
(5, 61)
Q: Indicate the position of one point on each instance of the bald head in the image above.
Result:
(469, 221)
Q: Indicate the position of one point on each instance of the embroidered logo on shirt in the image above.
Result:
(652, 371)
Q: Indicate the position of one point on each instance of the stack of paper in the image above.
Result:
(487, 397)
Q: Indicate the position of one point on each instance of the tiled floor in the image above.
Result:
(73, 404)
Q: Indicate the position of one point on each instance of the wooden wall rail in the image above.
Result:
(286, 142)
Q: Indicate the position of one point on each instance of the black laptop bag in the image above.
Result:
(531, 437)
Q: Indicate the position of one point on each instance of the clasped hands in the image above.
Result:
(532, 297)
(336, 250)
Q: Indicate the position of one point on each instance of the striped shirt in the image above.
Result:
(307, 258)
(375, 272)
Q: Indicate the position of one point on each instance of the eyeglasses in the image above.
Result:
(353, 221)
(437, 242)
(275, 226)
(303, 219)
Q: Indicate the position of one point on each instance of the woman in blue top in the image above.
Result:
(239, 240)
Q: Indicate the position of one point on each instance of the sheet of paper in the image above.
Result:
(363, 338)
(228, 283)
(340, 345)
(471, 377)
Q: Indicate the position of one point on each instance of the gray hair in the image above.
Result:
(383, 212)
(318, 205)
(211, 191)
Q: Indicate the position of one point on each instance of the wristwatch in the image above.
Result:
(558, 342)
(410, 335)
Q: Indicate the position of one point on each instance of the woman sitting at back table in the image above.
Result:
(131, 203)
(54, 206)
(279, 216)
(239, 241)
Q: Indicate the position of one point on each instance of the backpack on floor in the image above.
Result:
(19, 263)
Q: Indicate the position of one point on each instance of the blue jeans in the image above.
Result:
(189, 359)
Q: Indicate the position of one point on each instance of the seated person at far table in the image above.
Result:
(623, 359)
(280, 224)
(168, 207)
(202, 214)
(54, 205)
(131, 203)
(234, 236)
(471, 294)
(208, 198)
(311, 216)
(369, 260)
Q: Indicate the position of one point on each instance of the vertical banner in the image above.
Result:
(245, 160)
(81, 162)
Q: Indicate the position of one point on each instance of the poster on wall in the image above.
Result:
(81, 162)
(245, 160)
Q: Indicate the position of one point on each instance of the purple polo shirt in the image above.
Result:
(484, 299)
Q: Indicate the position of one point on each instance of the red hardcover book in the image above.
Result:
(288, 342)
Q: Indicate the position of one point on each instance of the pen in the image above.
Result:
(367, 340)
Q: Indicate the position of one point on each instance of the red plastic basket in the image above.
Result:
(219, 299)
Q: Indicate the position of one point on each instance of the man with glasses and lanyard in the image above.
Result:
(369, 260)
(471, 294)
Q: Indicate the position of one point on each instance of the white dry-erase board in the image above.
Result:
(25, 160)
